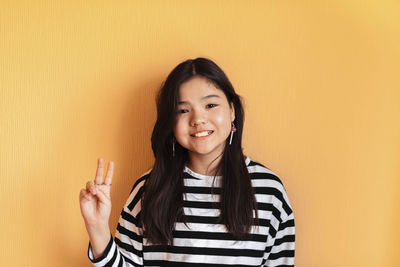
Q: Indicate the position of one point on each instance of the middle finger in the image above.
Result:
(110, 172)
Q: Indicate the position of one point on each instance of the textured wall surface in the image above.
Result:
(321, 85)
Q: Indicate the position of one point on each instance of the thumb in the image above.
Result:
(102, 196)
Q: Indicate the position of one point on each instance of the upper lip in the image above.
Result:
(201, 131)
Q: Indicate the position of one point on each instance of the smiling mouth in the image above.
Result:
(202, 134)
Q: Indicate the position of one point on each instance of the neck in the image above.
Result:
(204, 165)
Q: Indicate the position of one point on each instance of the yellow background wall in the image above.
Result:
(321, 86)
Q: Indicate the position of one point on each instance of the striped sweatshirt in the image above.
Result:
(202, 241)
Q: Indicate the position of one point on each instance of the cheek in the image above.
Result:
(179, 127)
(223, 120)
(176, 129)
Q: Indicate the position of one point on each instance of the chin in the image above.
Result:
(201, 152)
(205, 152)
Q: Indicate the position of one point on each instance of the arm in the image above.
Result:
(126, 248)
(280, 247)
(95, 204)
(123, 250)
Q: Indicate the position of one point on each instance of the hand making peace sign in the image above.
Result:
(95, 201)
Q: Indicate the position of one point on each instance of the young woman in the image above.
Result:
(203, 203)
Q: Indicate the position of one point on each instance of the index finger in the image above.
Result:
(99, 172)
(110, 172)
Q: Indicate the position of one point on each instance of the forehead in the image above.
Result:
(198, 87)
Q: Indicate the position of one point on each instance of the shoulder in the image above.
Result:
(259, 171)
(136, 191)
(140, 182)
(268, 187)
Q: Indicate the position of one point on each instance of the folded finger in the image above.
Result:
(103, 196)
(84, 195)
(90, 187)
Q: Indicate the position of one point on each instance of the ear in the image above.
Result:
(232, 112)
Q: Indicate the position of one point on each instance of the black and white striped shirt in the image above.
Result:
(202, 241)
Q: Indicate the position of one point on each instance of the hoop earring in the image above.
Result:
(233, 129)
(173, 147)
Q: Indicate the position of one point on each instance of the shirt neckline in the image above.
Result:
(203, 176)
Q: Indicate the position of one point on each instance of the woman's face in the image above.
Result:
(204, 118)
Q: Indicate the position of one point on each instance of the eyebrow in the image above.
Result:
(203, 98)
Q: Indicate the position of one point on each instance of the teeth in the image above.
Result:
(204, 133)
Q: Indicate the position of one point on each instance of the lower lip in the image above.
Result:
(202, 137)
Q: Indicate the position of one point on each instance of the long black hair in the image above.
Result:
(162, 199)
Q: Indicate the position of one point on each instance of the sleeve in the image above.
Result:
(126, 249)
(280, 249)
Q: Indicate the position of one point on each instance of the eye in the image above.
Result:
(180, 111)
(211, 105)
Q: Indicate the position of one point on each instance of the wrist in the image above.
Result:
(99, 237)
(97, 229)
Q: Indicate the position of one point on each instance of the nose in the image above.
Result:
(198, 118)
